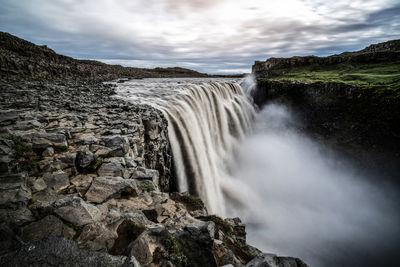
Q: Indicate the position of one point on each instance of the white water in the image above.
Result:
(207, 119)
(302, 200)
(296, 197)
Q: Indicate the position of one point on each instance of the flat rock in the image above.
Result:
(56, 181)
(76, 211)
(104, 187)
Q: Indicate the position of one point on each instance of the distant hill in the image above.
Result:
(377, 64)
(22, 60)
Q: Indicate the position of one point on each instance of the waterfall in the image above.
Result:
(207, 120)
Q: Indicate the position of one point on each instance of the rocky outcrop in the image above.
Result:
(383, 52)
(362, 122)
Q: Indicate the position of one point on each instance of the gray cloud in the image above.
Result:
(211, 36)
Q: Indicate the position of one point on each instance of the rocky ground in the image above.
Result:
(85, 181)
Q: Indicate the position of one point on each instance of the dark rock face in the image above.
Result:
(361, 122)
(57, 251)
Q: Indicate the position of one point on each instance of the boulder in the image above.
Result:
(105, 187)
(57, 251)
(76, 211)
(49, 225)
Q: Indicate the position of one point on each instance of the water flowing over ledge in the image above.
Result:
(207, 119)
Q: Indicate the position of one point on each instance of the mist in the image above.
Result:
(299, 198)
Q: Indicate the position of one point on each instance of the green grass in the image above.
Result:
(174, 252)
(373, 75)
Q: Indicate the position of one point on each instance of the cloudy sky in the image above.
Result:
(213, 36)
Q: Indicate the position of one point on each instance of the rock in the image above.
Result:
(128, 230)
(17, 217)
(8, 116)
(97, 237)
(113, 168)
(56, 181)
(48, 152)
(49, 225)
(8, 240)
(130, 162)
(141, 173)
(44, 140)
(103, 188)
(82, 182)
(149, 247)
(57, 251)
(196, 241)
(271, 260)
(84, 160)
(119, 144)
(43, 203)
(14, 191)
(224, 256)
(87, 140)
(76, 211)
(39, 185)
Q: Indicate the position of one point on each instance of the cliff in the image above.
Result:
(20, 59)
(350, 101)
(278, 67)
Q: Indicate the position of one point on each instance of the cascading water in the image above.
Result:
(295, 197)
(207, 119)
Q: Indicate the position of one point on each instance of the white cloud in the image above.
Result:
(206, 31)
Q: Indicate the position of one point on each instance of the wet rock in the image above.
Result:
(76, 211)
(103, 188)
(49, 225)
(56, 181)
(271, 260)
(57, 251)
